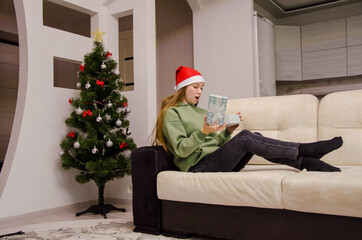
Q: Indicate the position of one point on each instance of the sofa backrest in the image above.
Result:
(340, 114)
(290, 118)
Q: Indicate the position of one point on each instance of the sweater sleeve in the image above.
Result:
(222, 137)
(174, 131)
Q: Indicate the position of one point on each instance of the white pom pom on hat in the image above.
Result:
(186, 76)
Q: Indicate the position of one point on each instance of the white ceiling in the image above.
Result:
(290, 5)
(284, 8)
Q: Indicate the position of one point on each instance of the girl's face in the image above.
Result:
(193, 93)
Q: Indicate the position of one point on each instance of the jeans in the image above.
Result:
(236, 153)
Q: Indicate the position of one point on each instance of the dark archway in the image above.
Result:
(9, 73)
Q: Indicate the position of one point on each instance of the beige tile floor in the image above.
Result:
(67, 213)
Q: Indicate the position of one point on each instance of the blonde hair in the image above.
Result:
(166, 103)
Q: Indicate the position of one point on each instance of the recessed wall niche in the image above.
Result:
(66, 19)
(125, 29)
(65, 72)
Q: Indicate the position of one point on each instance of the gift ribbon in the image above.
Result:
(82, 68)
(71, 134)
(217, 108)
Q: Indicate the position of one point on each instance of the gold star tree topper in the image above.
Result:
(98, 35)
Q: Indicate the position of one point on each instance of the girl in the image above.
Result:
(196, 146)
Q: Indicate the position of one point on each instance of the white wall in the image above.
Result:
(142, 100)
(32, 178)
(223, 47)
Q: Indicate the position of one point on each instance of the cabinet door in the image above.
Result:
(325, 64)
(324, 35)
(354, 60)
(288, 53)
(354, 30)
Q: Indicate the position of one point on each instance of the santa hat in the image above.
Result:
(186, 76)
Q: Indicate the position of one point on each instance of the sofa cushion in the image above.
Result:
(337, 193)
(290, 118)
(340, 114)
(250, 187)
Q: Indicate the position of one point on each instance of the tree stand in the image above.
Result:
(101, 208)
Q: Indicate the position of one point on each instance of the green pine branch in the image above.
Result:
(98, 146)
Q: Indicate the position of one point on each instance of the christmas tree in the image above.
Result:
(99, 141)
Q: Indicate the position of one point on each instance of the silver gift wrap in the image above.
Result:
(216, 109)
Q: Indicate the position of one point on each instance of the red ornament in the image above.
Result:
(82, 68)
(123, 145)
(71, 134)
(109, 54)
(87, 112)
(100, 83)
(70, 101)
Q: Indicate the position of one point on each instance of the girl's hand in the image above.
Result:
(232, 128)
(207, 128)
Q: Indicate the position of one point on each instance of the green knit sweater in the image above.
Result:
(182, 129)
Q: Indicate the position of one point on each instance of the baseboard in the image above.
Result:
(76, 207)
(116, 201)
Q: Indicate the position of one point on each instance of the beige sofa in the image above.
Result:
(272, 201)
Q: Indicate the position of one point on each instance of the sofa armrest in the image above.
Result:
(146, 163)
